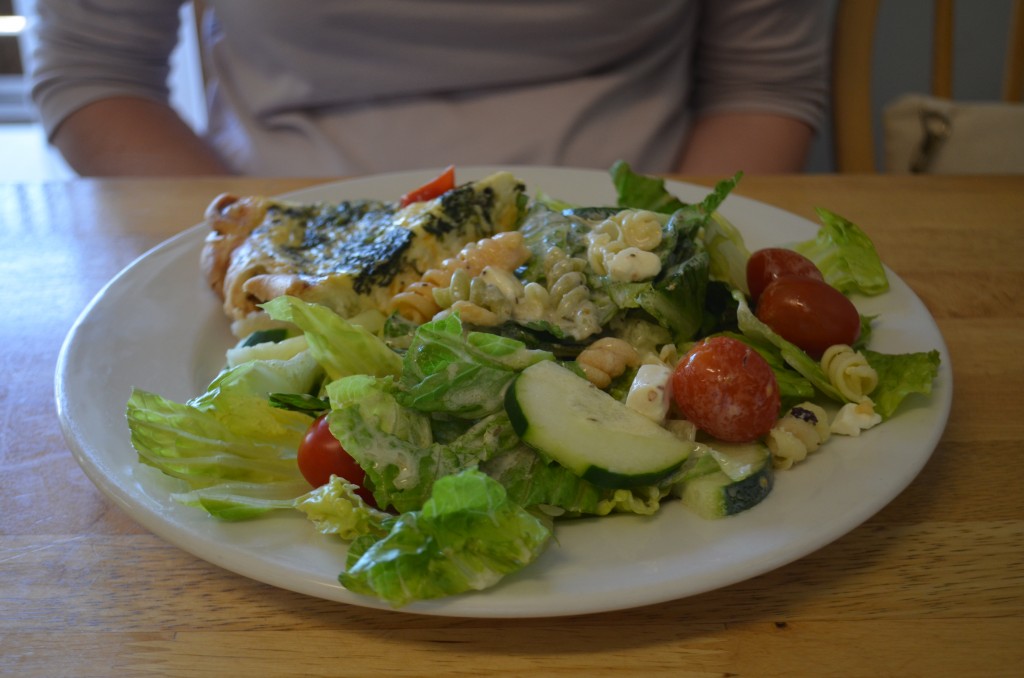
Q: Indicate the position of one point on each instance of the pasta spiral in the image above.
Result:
(568, 296)
(505, 251)
(799, 432)
(496, 295)
(636, 230)
(606, 359)
(486, 300)
(849, 372)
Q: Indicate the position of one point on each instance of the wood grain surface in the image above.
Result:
(932, 585)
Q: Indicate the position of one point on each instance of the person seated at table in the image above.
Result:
(309, 88)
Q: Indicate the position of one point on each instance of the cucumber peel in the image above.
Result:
(598, 438)
(731, 479)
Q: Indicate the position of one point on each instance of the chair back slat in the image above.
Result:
(942, 49)
(853, 49)
(1013, 78)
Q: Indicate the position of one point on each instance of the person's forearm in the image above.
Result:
(756, 143)
(132, 136)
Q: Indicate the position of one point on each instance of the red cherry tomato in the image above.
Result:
(767, 265)
(809, 313)
(320, 455)
(727, 390)
(440, 184)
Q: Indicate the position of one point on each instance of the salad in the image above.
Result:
(447, 451)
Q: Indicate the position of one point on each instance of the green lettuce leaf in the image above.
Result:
(846, 256)
(461, 375)
(233, 451)
(395, 445)
(551, 203)
(336, 509)
(899, 376)
(392, 443)
(530, 481)
(639, 191)
(676, 299)
(642, 192)
(235, 501)
(343, 348)
(236, 390)
(467, 537)
(727, 251)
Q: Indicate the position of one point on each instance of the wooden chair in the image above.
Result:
(853, 48)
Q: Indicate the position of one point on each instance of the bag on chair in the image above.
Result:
(926, 134)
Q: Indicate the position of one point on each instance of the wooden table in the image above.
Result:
(932, 585)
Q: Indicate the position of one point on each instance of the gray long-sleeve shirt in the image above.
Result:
(315, 88)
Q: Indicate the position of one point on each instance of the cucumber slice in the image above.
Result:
(268, 350)
(740, 460)
(589, 432)
(275, 335)
(744, 478)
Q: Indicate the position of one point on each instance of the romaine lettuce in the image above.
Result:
(232, 501)
(639, 191)
(467, 537)
(676, 299)
(531, 481)
(727, 251)
(642, 192)
(899, 376)
(341, 347)
(336, 509)
(846, 256)
(234, 452)
(395, 445)
(463, 376)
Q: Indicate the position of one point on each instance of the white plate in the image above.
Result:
(158, 327)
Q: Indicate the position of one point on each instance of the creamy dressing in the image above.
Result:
(385, 455)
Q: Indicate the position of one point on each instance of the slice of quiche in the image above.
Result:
(351, 256)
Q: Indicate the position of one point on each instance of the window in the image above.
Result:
(14, 106)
